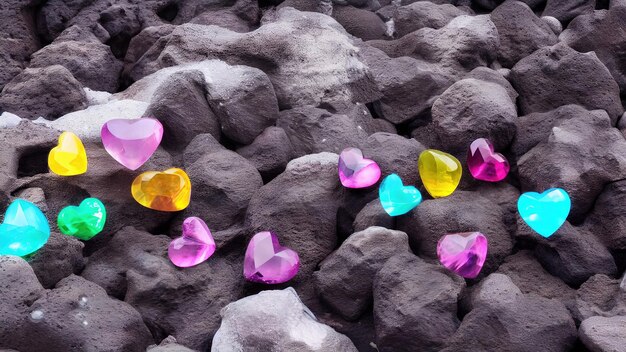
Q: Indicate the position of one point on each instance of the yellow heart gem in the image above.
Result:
(440, 172)
(68, 158)
(169, 190)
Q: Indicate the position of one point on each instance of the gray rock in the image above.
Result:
(200, 146)
(300, 206)
(223, 184)
(492, 115)
(361, 23)
(143, 41)
(600, 334)
(313, 130)
(528, 274)
(333, 71)
(599, 296)
(373, 214)
(463, 211)
(134, 265)
(499, 76)
(566, 10)
(554, 24)
(91, 63)
(574, 255)
(521, 32)
(180, 104)
(344, 280)
(43, 92)
(423, 14)
(61, 257)
(275, 321)
(463, 44)
(558, 75)
(597, 32)
(168, 345)
(409, 86)
(415, 305)
(64, 318)
(581, 155)
(269, 152)
(394, 154)
(528, 323)
(608, 206)
(495, 289)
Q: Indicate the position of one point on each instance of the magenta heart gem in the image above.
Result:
(195, 246)
(463, 253)
(355, 171)
(132, 142)
(484, 163)
(267, 262)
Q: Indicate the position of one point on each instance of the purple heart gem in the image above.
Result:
(356, 171)
(267, 262)
(463, 253)
(195, 245)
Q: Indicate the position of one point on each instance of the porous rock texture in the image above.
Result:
(258, 98)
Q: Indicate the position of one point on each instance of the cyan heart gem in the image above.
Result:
(545, 212)
(396, 198)
(25, 229)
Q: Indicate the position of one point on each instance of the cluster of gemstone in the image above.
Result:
(440, 173)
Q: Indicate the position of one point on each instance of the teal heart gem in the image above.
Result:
(25, 229)
(83, 221)
(545, 212)
(396, 198)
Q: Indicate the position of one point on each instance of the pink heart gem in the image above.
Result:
(132, 142)
(484, 164)
(463, 253)
(356, 171)
(267, 262)
(195, 245)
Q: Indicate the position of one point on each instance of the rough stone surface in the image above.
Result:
(48, 92)
(600, 334)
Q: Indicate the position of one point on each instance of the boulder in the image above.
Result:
(600, 334)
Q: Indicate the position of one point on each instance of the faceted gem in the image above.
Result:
(68, 158)
(463, 253)
(25, 229)
(485, 164)
(545, 212)
(83, 221)
(396, 198)
(195, 246)
(440, 172)
(169, 190)
(132, 142)
(356, 171)
(267, 262)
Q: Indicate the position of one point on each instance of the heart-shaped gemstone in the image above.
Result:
(68, 158)
(484, 163)
(396, 198)
(195, 246)
(463, 253)
(356, 171)
(440, 172)
(83, 221)
(25, 229)
(132, 142)
(267, 262)
(169, 190)
(545, 212)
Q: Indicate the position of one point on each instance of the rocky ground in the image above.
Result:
(257, 99)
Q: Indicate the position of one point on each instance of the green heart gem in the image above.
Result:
(84, 221)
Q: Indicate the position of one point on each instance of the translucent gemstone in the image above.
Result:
(83, 221)
(132, 142)
(484, 164)
(68, 158)
(463, 253)
(195, 246)
(25, 229)
(545, 213)
(169, 190)
(396, 198)
(267, 262)
(440, 172)
(356, 171)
